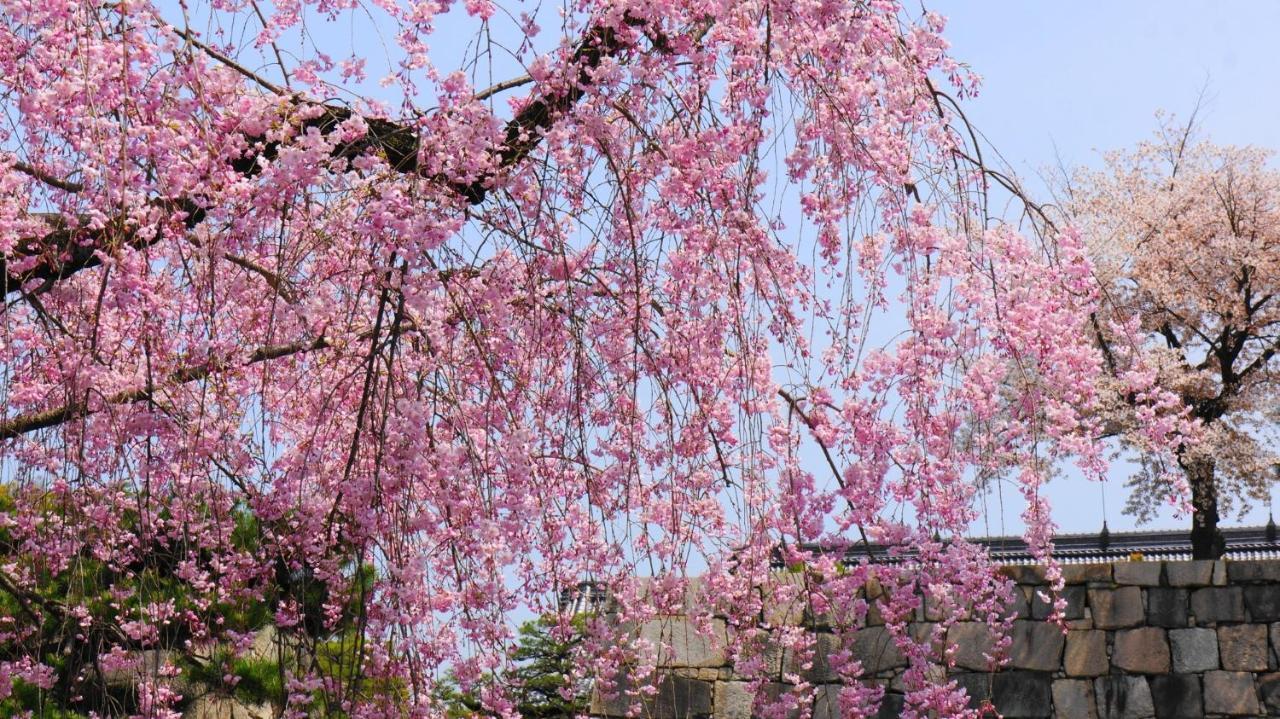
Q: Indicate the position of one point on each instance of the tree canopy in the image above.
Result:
(1185, 239)
(696, 286)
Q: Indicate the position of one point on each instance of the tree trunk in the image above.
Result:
(1207, 541)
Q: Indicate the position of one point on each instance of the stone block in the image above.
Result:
(926, 633)
(977, 685)
(1142, 651)
(684, 645)
(1194, 650)
(1263, 602)
(1019, 607)
(1083, 573)
(1142, 574)
(1243, 647)
(773, 694)
(826, 702)
(1269, 689)
(1167, 607)
(1041, 608)
(1036, 646)
(971, 641)
(1217, 604)
(891, 706)
(819, 669)
(1116, 608)
(1023, 573)
(876, 649)
(1198, 573)
(1123, 697)
(676, 698)
(1177, 696)
(1021, 695)
(1073, 698)
(758, 644)
(733, 700)
(1253, 571)
(607, 706)
(785, 599)
(1220, 573)
(875, 615)
(1085, 622)
(1086, 653)
(1230, 693)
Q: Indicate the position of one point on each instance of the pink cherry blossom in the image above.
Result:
(709, 288)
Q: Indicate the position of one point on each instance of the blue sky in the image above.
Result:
(1069, 80)
(1085, 76)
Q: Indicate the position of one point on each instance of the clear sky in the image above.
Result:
(1075, 78)
(1070, 80)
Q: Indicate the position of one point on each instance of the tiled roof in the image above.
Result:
(1242, 543)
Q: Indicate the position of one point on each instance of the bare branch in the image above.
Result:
(67, 251)
(46, 178)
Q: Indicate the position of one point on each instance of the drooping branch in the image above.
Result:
(795, 406)
(44, 419)
(68, 250)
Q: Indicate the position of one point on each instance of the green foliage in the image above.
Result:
(538, 681)
(41, 704)
(96, 587)
(71, 645)
(258, 679)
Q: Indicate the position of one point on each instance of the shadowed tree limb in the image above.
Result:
(68, 250)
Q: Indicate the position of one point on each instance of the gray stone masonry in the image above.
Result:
(1086, 654)
(1194, 650)
(1263, 602)
(1086, 573)
(1141, 651)
(1243, 647)
(1214, 605)
(1142, 640)
(1189, 574)
(1269, 689)
(826, 705)
(683, 645)
(1117, 608)
(1230, 693)
(1022, 695)
(1167, 607)
(1123, 697)
(1037, 646)
(1177, 696)
(1074, 595)
(1254, 571)
(816, 668)
(971, 642)
(876, 649)
(1143, 574)
(1074, 698)
(733, 700)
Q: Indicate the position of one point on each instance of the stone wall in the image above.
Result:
(1144, 639)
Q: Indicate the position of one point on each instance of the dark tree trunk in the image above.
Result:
(1207, 541)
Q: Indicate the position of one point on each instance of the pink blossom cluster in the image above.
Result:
(619, 330)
